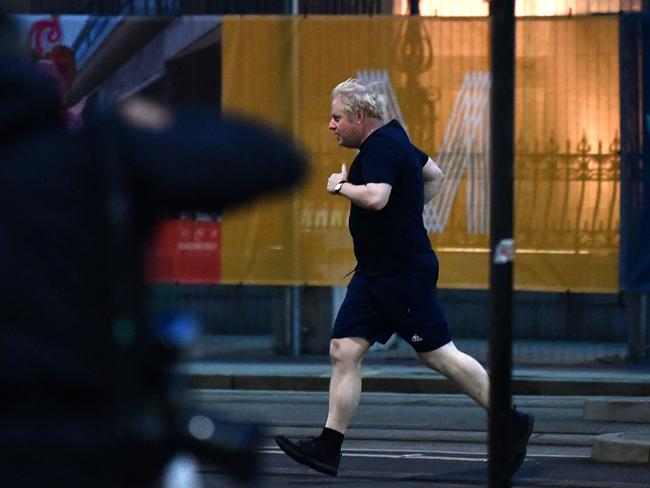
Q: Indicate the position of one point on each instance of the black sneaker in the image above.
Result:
(307, 452)
(522, 428)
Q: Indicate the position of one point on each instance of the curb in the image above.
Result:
(617, 410)
(401, 384)
(621, 448)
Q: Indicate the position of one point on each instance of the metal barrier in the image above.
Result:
(549, 328)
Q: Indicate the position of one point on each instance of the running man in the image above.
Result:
(393, 289)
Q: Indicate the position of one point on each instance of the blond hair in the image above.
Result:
(357, 96)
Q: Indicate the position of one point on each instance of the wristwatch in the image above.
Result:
(339, 185)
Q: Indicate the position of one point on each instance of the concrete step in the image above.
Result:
(432, 384)
(619, 410)
(621, 447)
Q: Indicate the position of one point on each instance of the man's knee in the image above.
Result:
(441, 359)
(349, 349)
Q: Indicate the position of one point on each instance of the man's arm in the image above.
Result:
(433, 178)
(371, 196)
(192, 159)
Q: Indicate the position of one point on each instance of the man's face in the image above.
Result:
(347, 132)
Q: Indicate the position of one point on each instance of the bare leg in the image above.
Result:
(345, 386)
(463, 370)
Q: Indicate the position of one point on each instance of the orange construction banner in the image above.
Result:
(435, 75)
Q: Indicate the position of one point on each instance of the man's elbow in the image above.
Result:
(377, 195)
(377, 204)
(439, 176)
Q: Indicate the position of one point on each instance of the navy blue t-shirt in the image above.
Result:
(393, 239)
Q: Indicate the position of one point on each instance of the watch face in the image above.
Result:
(338, 186)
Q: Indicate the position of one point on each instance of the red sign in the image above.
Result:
(186, 252)
(44, 34)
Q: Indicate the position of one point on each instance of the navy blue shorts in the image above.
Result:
(376, 307)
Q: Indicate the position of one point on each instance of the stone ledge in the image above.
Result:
(617, 410)
(412, 384)
(621, 448)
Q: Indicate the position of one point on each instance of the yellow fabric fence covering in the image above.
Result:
(282, 70)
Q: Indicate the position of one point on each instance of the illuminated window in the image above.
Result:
(523, 8)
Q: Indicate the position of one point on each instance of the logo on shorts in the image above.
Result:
(416, 338)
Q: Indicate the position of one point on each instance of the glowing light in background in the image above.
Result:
(480, 8)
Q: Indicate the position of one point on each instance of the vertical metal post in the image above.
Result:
(645, 138)
(637, 323)
(295, 320)
(501, 238)
(296, 296)
(643, 326)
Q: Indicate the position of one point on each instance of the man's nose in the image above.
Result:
(332, 125)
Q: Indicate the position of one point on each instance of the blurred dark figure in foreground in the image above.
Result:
(83, 377)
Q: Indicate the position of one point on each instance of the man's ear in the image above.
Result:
(360, 116)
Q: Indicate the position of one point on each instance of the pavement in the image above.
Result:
(621, 392)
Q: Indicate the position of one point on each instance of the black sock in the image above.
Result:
(330, 439)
